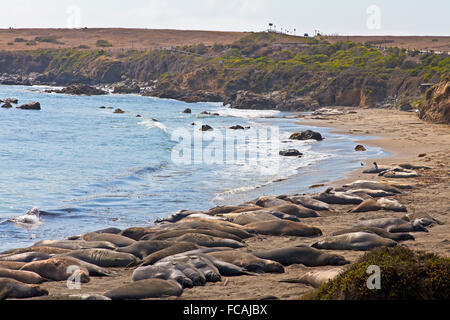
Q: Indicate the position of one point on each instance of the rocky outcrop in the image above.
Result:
(291, 153)
(126, 89)
(79, 89)
(436, 107)
(7, 105)
(306, 135)
(30, 106)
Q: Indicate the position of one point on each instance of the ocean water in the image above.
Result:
(89, 168)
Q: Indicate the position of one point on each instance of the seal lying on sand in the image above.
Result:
(307, 202)
(22, 276)
(359, 241)
(104, 258)
(378, 231)
(48, 250)
(399, 174)
(268, 202)
(375, 185)
(209, 241)
(248, 261)
(172, 250)
(115, 239)
(75, 244)
(372, 193)
(141, 249)
(331, 197)
(146, 289)
(173, 233)
(13, 289)
(57, 269)
(380, 204)
(393, 225)
(25, 257)
(302, 254)
(244, 218)
(316, 278)
(12, 265)
(136, 233)
(295, 210)
(184, 274)
(222, 226)
(283, 228)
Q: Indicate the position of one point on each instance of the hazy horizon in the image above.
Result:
(363, 17)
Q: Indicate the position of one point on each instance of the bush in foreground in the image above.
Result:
(405, 274)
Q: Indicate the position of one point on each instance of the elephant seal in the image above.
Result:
(372, 193)
(399, 174)
(295, 210)
(358, 241)
(75, 244)
(374, 185)
(146, 289)
(22, 276)
(115, 239)
(13, 289)
(268, 202)
(57, 269)
(393, 225)
(168, 271)
(172, 250)
(173, 233)
(208, 241)
(48, 250)
(202, 264)
(222, 226)
(317, 278)
(143, 248)
(223, 268)
(283, 228)
(378, 231)
(308, 202)
(245, 218)
(136, 233)
(248, 261)
(177, 216)
(25, 257)
(380, 204)
(377, 169)
(222, 210)
(107, 230)
(104, 258)
(331, 197)
(12, 265)
(302, 254)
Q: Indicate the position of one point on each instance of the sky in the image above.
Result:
(343, 17)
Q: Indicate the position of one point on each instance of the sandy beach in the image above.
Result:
(408, 139)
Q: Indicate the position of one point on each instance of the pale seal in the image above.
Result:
(359, 241)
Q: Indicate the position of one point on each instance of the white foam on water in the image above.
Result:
(246, 113)
(150, 124)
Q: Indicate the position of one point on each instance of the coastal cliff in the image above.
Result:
(259, 71)
(436, 107)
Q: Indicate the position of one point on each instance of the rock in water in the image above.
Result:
(307, 135)
(360, 147)
(291, 153)
(30, 106)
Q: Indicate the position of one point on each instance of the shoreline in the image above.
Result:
(430, 195)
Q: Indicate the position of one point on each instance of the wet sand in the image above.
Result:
(400, 133)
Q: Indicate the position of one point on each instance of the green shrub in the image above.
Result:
(103, 43)
(405, 274)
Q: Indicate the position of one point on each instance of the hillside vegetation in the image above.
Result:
(264, 70)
